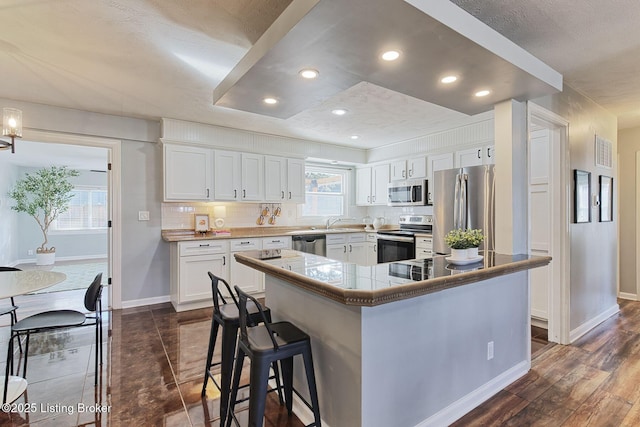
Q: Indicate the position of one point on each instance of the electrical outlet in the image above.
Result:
(30, 252)
(143, 215)
(490, 350)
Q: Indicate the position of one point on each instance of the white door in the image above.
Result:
(246, 278)
(337, 252)
(417, 167)
(541, 221)
(358, 252)
(227, 175)
(195, 284)
(439, 162)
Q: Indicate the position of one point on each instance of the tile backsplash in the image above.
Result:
(181, 215)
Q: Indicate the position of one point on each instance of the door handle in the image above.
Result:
(244, 194)
(207, 193)
(489, 152)
(345, 249)
(479, 153)
(224, 260)
(204, 246)
(289, 194)
(282, 194)
(350, 248)
(235, 194)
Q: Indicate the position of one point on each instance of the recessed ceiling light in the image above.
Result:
(354, 137)
(339, 111)
(309, 73)
(390, 55)
(270, 101)
(449, 79)
(482, 93)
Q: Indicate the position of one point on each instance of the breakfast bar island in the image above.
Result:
(408, 343)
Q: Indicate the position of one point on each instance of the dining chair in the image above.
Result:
(59, 319)
(11, 310)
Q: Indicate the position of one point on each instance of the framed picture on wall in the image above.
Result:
(581, 196)
(606, 198)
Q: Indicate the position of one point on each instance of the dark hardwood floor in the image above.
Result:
(155, 357)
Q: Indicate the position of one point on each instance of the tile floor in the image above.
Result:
(152, 376)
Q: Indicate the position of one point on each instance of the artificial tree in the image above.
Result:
(44, 195)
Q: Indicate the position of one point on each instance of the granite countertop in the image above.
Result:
(352, 284)
(245, 232)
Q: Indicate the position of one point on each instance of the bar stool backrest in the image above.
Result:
(217, 293)
(244, 297)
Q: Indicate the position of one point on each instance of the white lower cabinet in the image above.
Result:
(246, 278)
(350, 247)
(372, 249)
(190, 262)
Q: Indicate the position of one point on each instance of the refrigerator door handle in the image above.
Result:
(456, 204)
(464, 205)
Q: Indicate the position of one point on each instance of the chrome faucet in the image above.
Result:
(332, 221)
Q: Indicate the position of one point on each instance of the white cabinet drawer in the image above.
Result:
(357, 237)
(372, 237)
(423, 253)
(283, 242)
(238, 245)
(203, 247)
(336, 239)
(424, 242)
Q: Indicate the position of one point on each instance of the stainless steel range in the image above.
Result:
(412, 241)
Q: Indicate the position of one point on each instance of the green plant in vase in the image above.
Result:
(457, 241)
(474, 237)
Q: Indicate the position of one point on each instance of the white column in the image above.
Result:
(510, 121)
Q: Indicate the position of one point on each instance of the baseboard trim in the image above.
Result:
(592, 323)
(145, 301)
(540, 323)
(65, 258)
(628, 296)
(472, 400)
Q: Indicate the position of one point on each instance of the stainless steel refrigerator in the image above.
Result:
(463, 198)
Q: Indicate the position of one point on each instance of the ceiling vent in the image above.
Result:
(604, 153)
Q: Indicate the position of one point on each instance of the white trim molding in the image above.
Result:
(592, 323)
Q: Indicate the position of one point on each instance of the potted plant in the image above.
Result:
(474, 237)
(457, 241)
(44, 195)
(464, 243)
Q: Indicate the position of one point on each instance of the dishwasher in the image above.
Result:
(310, 243)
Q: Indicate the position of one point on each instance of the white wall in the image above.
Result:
(593, 245)
(8, 225)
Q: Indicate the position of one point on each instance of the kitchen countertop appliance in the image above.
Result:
(398, 245)
(464, 198)
(310, 243)
(414, 192)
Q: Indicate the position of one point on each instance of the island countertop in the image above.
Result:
(357, 285)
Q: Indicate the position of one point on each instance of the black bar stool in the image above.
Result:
(226, 315)
(265, 344)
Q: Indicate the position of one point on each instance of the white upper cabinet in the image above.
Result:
(379, 183)
(408, 169)
(252, 177)
(475, 156)
(468, 157)
(238, 176)
(439, 162)
(363, 186)
(284, 179)
(371, 185)
(398, 170)
(228, 176)
(489, 155)
(187, 173)
(295, 180)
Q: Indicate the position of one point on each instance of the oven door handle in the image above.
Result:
(395, 238)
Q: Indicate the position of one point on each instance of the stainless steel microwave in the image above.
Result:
(409, 193)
